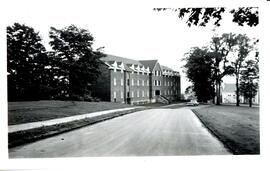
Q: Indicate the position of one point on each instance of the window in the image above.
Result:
(147, 82)
(159, 82)
(142, 93)
(138, 82)
(114, 81)
(138, 93)
(114, 94)
(128, 82)
(132, 94)
(122, 82)
(142, 82)
(155, 82)
(132, 82)
(122, 95)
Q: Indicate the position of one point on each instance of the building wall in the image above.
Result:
(117, 86)
(230, 97)
(139, 87)
(157, 80)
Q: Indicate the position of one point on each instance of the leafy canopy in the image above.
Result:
(202, 16)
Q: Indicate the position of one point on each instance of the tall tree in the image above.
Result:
(242, 50)
(220, 47)
(249, 81)
(198, 68)
(201, 16)
(78, 62)
(26, 62)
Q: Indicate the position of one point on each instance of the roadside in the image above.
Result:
(21, 137)
(236, 127)
(33, 111)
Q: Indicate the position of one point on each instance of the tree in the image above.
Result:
(242, 50)
(220, 47)
(77, 62)
(26, 62)
(199, 72)
(249, 81)
(202, 16)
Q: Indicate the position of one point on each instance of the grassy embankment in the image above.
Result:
(237, 127)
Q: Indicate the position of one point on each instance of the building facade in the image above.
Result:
(229, 95)
(129, 81)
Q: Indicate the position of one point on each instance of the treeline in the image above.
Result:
(228, 54)
(67, 72)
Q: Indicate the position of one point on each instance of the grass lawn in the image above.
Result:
(237, 127)
(32, 111)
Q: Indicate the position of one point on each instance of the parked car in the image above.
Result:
(192, 103)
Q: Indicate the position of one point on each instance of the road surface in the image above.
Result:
(153, 132)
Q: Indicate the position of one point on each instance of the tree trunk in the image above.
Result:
(218, 93)
(237, 91)
(250, 98)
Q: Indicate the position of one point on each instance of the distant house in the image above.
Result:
(130, 81)
(228, 93)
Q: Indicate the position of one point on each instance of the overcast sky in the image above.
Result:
(126, 29)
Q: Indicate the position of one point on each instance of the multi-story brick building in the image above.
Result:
(130, 81)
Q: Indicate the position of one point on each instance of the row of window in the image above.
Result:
(157, 73)
(166, 83)
(156, 82)
(132, 94)
(132, 82)
(168, 92)
(138, 72)
(142, 94)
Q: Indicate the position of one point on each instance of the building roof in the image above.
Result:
(120, 59)
(166, 68)
(229, 88)
(127, 63)
(149, 63)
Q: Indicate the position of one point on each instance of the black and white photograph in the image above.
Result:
(92, 81)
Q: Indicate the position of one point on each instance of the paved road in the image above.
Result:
(152, 132)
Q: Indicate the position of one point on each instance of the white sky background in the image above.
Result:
(129, 30)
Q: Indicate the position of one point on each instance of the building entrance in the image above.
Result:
(157, 92)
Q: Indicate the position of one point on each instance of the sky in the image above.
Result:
(125, 29)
